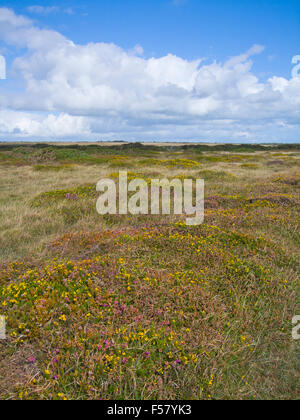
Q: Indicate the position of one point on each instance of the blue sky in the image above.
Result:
(220, 103)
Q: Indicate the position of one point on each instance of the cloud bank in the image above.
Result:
(100, 91)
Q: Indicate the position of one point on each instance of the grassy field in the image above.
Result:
(145, 307)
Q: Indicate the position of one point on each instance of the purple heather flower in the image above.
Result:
(70, 196)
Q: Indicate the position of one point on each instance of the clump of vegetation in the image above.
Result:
(249, 166)
(289, 180)
(53, 168)
(216, 175)
(72, 194)
(171, 163)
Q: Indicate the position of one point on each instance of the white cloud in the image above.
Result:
(99, 90)
(19, 31)
(47, 10)
(43, 10)
(22, 125)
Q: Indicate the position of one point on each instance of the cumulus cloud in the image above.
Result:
(99, 90)
(21, 124)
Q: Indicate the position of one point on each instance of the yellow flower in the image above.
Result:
(62, 396)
